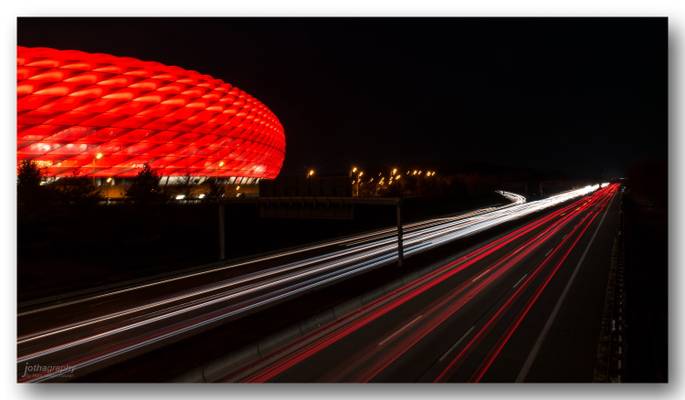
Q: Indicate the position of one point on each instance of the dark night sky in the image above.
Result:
(583, 96)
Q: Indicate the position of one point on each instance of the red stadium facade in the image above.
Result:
(82, 114)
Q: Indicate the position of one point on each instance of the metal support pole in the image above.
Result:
(222, 233)
(400, 247)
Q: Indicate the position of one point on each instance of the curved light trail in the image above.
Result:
(161, 318)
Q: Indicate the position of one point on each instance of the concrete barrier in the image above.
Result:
(270, 343)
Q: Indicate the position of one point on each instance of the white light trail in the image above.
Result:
(364, 252)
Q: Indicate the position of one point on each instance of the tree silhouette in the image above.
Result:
(145, 188)
(216, 190)
(30, 192)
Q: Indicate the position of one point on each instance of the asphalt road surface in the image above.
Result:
(90, 332)
(523, 307)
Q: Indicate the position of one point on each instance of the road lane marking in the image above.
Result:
(454, 346)
(519, 281)
(550, 320)
(397, 332)
(481, 274)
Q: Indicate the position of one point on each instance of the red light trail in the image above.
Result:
(86, 341)
(284, 359)
(585, 224)
(413, 328)
(531, 302)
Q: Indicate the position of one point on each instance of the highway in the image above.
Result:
(506, 311)
(93, 331)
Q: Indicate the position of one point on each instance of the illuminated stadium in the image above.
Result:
(98, 115)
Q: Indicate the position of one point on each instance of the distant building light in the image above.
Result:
(180, 196)
(237, 188)
(310, 173)
(354, 169)
(99, 156)
(394, 171)
(201, 196)
(43, 163)
(221, 163)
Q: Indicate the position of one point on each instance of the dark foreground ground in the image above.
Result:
(646, 266)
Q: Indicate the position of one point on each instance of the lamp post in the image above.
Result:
(354, 180)
(310, 174)
(359, 179)
(400, 244)
(222, 231)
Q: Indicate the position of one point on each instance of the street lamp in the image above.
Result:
(357, 182)
(310, 173)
